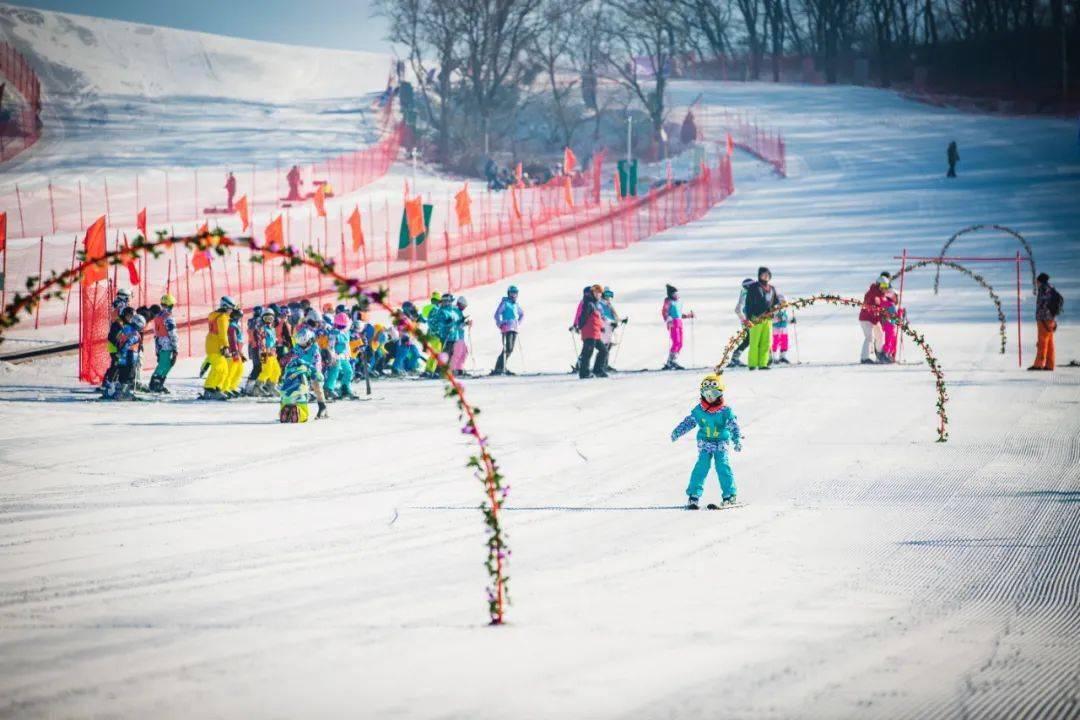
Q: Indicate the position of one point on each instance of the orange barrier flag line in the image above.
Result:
(3, 231)
(568, 194)
(242, 209)
(463, 206)
(618, 186)
(94, 245)
(357, 229)
(730, 145)
(414, 217)
(140, 222)
(514, 201)
(519, 175)
(320, 200)
(569, 161)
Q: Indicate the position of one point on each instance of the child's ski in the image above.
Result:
(725, 506)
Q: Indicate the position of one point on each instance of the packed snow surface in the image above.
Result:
(178, 559)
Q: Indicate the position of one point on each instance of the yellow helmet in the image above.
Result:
(168, 300)
(712, 387)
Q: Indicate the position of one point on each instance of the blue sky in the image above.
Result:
(342, 24)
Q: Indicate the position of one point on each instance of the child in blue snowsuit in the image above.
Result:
(339, 376)
(407, 358)
(717, 427)
(128, 355)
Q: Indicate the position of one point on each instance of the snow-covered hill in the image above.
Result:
(79, 55)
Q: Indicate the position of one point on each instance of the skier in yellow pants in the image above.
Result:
(761, 297)
(266, 345)
(235, 354)
(217, 343)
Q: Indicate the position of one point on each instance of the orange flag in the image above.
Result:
(320, 200)
(568, 194)
(618, 186)
(462, 204)
(357, 230)
(129, 263)
(569, 162)
(273, 235)
(242, 208)
(730, 145)
(414, 217)
(140, 222)
(519, 175)
(94, 245)
(3, 231)
(201, 259)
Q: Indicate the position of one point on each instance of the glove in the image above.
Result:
(625, 320)
(794, 320)
(738, 447)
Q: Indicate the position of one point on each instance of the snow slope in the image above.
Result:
(127, 95)
(181, 559)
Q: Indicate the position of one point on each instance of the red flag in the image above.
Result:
(462, 204)
(357, 230)
(129, 263)
(140, 222)
(618, 186)
(730, 145)
(94, 245)
(320, 200)
(414, 217)
(3, 231)
(568, 194)
(569, 161)
(201, 259)
(274, 237)
(242, 208)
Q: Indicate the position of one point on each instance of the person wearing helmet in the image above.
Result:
(870, 318)
(216, 346)
(717, 428)
(589, 321)
(235, 354)
(166, 344)
(761, 298)
(461, 348)
(611, 322)
(340, 374)
(441, 324)
(120, 303)
(129, 342)
(266, 342)
(436, 298)
(306, 351)
(740, 307)
(673, 315)
(508, 318)
(254, 352)
(780, 333)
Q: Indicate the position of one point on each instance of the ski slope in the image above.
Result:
(176, 559)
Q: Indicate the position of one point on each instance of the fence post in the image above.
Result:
(137, 196)
(1019, 343)
(82, 222)
(41, 270)
(108, 208)
(196, 193)
(52, 207)
(67, 300)
(18, 197)
(168, 217)
(187, 291)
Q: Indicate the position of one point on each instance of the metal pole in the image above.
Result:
(41, 271)
(1019, 343)
(629, 141)
(900, 300)
(67, 300)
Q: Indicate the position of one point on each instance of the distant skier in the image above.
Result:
(293, 178)
(217, 345)
(717, 428)
(611, 322)
(761, 297)
(508, 317)
(230, 190)
(266, 339)
(121, 306)
(740, 308)
(953, 155)
(589, 321)
(129, 343)
(166, 344)
(890, 310)
(1048, 305)
(461, 348)
(673, 315)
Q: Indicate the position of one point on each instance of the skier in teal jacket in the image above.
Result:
(717, 427)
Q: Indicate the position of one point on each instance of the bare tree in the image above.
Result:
(710, 19)
(751, 11)
(557, 33)
(650, 31)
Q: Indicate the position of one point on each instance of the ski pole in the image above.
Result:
(618, 345)
(573, 343)
(693, 344)
(367, 375)
(795, 332)
(472, 355)
(521, 347)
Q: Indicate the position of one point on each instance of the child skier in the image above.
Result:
(461, 348)
(508, 317)
(303, 373)
(780, 334)
(217, 345)
(128, 344)
(235, 352)
(266, 344)
(166, 344)
(339, 376)
(717, 427)
(673, 314)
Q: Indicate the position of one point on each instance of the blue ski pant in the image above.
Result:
(339, 377)
(701, 471)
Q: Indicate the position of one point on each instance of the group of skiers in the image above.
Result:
(596, 321)
(880, 307)
(125, 345)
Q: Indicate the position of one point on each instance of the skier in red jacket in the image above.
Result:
(870, 319)
(589, 321)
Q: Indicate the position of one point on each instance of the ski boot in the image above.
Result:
(693, 503)
(322, 414)
(736, 361)
(783, 359)
(729, 500)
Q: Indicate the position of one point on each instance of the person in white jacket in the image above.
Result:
(740, 312)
